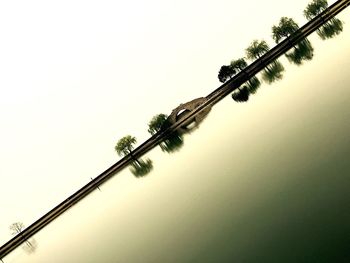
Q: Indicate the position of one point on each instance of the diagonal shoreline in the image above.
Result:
(211, 99)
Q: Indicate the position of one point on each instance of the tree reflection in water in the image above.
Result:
(249, 87)
(330, 29)
(30, 246)
(172, 143)
(273, 72)
(302, 51)
(140, 167)
(241, 94)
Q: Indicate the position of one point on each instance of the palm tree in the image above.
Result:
(226, 73)
(253, 83)
(302, 50)
(330, 28)
(257, 49)
(157, 123)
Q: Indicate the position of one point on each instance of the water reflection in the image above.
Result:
(174, 141)
(30, 246)
(241, 94)
(303, 50)
(330, 29)
(253, 83)
(139, 167)
(271, 72)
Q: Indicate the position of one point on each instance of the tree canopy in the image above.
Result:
(225, 73)
(284, 29)
(257, 49)
(125, 145)
(157, 123)
(239, 64)
(315, 8)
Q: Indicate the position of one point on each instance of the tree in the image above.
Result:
(239, 64)
(257, 49)
(138, 167)
(315, 8)
(158, 123)
(16, 228)
(286, 27)
(125, 145)
(30, 245)
(302, 50)
(274, 70)
(225, 73)
(253, 83)
(330, 28)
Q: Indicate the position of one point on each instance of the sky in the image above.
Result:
(75, 76)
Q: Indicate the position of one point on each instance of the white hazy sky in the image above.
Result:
(77, 75)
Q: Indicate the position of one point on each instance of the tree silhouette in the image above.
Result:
(302, 50)
(253, 83)
(225, 73)
(329, 29)
(273, 71)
